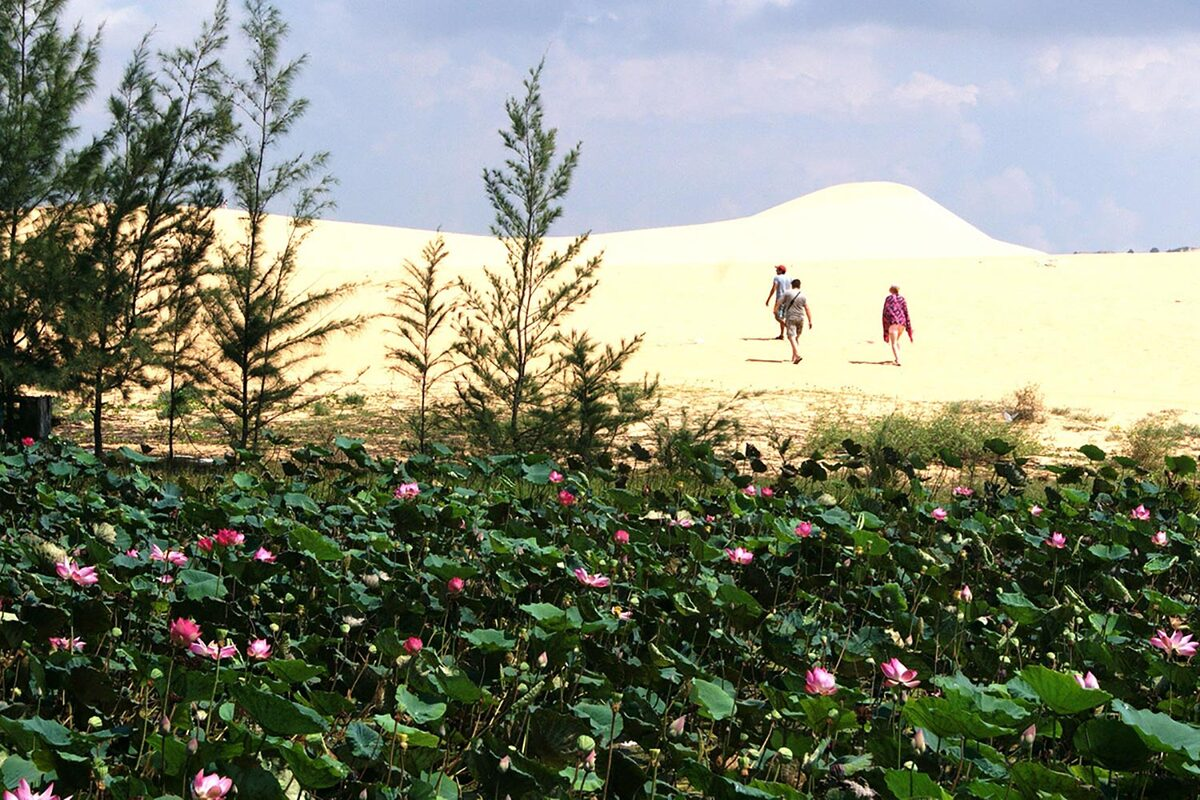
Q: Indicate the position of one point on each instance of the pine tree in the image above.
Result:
(156, 192)
(422, 313)
(45, 76)
(511, 330)
(262, 329)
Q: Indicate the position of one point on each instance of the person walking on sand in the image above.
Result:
(895, 321)
(778, 286)
(793, 309)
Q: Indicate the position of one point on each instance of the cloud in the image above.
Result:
(923, 89)
(1139, 87)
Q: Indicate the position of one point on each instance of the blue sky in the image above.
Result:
(1066, 126)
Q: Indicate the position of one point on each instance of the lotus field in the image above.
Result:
(336, 625)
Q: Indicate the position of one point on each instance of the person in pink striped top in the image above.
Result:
(896, 320)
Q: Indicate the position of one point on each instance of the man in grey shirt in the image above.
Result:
(779, 285)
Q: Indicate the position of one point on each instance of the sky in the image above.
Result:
(1065, 126)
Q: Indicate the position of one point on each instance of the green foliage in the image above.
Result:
(46, 75)
(949, 435)
(263, 329)
(686, 672)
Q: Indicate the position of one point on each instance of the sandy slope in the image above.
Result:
(1112, 334)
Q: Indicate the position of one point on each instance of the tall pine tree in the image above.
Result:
(45, 75)
(152, 224)
(265, 330)
(510, 333)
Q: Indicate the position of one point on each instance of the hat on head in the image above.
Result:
(780, 269)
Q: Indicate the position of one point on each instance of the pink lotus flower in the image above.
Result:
(258, 649)
(964, 594)
(1029, 734)
(589, 762)
(505, 763)
(68, 570)
(804, 530)
(587, 579)
(739, 555)
(686, 522)
(566, 498)
(556, 476)
(227, 537)
(820, 681)
(166, 579)
(1035, 510)
(24, 792)
(183, 632)
(1177, 644)
(621, 536)
(210, 787)
(27, 441)
(213, 650)
(962, 491)
(63, 643)
(766, 491)
(1159, 538)
(709, 518)
(455, 585)
(1056, 540)
(413, 645)
(896, 674)
(264, 555)
(133, 553)
(170, 556)
(1087, 681)
(543, 660)
(750, 491)
(407, 491)
(677, 725)
(1140, 513)
(622, 614)
(938, 513)
(205, 543)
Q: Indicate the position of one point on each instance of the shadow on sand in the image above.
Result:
(761, 339)
(888, 362)
(769, 360)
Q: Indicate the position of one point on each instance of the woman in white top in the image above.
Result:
(793, 309)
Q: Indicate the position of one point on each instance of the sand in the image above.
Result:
(1113, 337)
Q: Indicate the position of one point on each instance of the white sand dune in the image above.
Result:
(1115, 334)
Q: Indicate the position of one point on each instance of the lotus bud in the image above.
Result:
(192, 746)
(1029, 734)
(403, 741)
(274, 626)
(918, 741)
(164, 724)
(505, 763)
(676, 726)
(543, 660)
